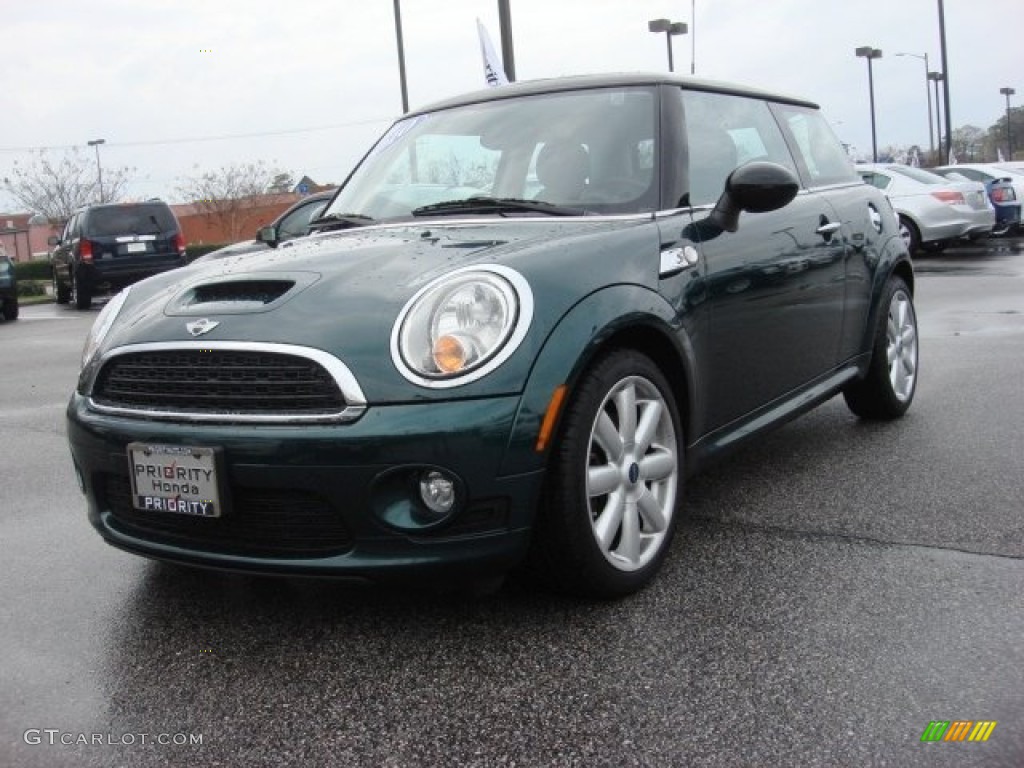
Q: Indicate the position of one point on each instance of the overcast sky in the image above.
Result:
(306, 85)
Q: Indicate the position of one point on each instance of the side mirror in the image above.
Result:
(53, 240)
(756, 187)
(267, 235)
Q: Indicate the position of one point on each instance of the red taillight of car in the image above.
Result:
(1002, 194)
(950, 197)
(179, 243)
(85, 250)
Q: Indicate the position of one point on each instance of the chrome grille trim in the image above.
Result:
(352, 393)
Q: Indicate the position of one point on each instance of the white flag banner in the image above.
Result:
(494, 73)
(952, 157)
(999, 155)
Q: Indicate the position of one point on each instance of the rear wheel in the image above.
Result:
(888, 388)
(908, 232)
(11, 310)
(609, 509)
(81, 295)
(61, 292)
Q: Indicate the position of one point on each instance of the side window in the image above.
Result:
(820, 151)
(875, 179)
(724, 132)
(296, 223)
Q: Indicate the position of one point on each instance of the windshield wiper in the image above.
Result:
(499, 205)
(340, 221)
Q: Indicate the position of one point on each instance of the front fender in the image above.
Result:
(622, 313)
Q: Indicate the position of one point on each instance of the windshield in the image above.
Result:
(590, 150)
(131, 219)
(925, 177)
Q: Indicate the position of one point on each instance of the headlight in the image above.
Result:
(101, 327)
(462, 326)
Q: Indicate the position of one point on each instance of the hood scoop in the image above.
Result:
(239, 294)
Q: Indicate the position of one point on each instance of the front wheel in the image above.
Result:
(609, 509)
(11, 310)
(888, 388)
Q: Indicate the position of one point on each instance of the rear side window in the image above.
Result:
(823, 157)
(142, 219)
(723, 132)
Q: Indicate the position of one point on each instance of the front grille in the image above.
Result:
(261, 522)
(218, 382)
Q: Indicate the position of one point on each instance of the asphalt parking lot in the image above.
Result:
(832, 590)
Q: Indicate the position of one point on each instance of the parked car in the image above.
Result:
(8, 288)
(448, 390)
(110, 246)
(933, 211)
(294, 222)
(1005, 190)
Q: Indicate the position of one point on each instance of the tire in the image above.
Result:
(891, 381)
(81, 296)
(11, 310)
(609, 510)
(61, 292)
(909, 234)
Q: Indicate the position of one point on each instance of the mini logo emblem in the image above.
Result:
(634, 473)
(199, 327)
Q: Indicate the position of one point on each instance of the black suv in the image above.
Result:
(8, 288)
(114, 245)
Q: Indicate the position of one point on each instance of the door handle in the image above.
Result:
(829, 229)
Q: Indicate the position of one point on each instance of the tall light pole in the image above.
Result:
(945, 82)
(99, 169)
(508, 58)
(936, 78)
(670, 28)
(1008, 92)
(401, 56)
(693, 37)
(869, 53)
(927, 92)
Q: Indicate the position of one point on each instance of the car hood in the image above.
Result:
(341, 292)
(236, 249)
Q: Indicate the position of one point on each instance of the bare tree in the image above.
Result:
(229, 194)
(56, 186)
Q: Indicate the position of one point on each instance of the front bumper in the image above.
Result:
(324, 500)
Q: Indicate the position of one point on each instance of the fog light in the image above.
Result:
(437, 491)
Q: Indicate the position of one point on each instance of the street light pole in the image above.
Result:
(670, 28)
(401, 56)
(508, 58)
(870, 53)
(1008, 92)
(928, 93)
(945, 82)
(693, 37)
(95, 143)
(936, 78)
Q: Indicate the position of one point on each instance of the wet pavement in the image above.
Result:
(832, 590)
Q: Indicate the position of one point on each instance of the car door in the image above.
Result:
(827, 172)
(774, 289)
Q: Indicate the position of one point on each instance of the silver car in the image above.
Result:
(933, 211)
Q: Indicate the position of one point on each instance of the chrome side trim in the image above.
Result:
(346, 381)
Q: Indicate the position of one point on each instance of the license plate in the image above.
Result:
(175, 478)
(135, 248)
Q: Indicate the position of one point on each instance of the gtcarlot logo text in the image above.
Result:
(55, 736)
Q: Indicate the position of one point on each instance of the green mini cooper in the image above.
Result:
(526, 317)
